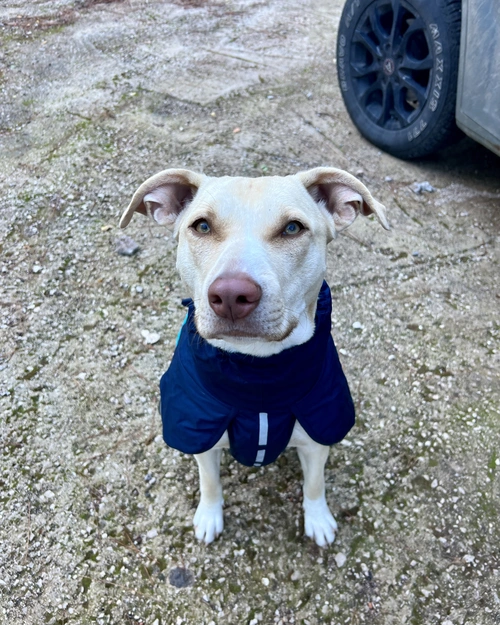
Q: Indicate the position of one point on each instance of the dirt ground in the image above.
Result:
(95, 511)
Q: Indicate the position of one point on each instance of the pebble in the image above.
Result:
(30, 231)
(181, 577)
(152, 533)
(150, 338)
(357, 325)
(420, 187)
(126, 246)
(36, 268)
(265, 581)
(47, 496)
(340, 559)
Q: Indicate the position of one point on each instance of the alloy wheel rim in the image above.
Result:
(391, 62)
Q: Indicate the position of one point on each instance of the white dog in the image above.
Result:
(255, 368)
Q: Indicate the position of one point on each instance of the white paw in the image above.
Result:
(208, 521)
(319, 523)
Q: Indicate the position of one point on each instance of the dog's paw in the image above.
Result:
(208, 521)
(319, 523)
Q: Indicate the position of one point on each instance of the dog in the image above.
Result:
(255, 368)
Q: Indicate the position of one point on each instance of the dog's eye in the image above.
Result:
(201, 226)
(293, 228)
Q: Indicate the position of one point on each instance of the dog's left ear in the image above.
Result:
(343, 195)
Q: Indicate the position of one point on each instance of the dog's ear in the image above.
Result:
(163, 196)
(343, 196)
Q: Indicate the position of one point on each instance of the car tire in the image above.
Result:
(397, 65)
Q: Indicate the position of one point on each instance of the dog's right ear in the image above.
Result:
(164, 196)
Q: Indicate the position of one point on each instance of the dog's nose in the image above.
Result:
(234, 296)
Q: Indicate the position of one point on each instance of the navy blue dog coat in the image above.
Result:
(207, 391)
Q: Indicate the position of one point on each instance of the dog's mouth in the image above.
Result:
(239, 333)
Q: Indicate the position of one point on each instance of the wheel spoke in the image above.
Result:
(420, 92)
(397, 18)
(399, 45)
(368, 92)
(368, 43)
(360, 71)
(401, 114)
(387, 104)
(416, 64)
(377, 29)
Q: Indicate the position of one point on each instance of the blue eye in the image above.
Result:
(201, 226)
(293, 228)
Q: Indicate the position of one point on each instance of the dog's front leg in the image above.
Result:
(319, 523)
(208, 520)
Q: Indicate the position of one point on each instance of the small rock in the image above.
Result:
(36, 268)
(420, 187)
(295, 576)
(180, 577)
(90, 322)
(469, 558)
(340, 559)
(47, 496)
(265, 581)
(388, 179)
(30, 231)
(357, 326)
(126, 246)
(152, 533)
(150, 338)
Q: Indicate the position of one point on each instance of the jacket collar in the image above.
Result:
(247, 381)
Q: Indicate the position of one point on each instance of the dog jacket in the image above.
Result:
(206, 391)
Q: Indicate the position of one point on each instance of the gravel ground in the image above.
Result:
(95, 510)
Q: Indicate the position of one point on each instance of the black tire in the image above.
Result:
(397, 64)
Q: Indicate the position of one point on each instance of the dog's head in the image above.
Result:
(252, 251)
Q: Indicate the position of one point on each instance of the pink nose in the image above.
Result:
(234, 296)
